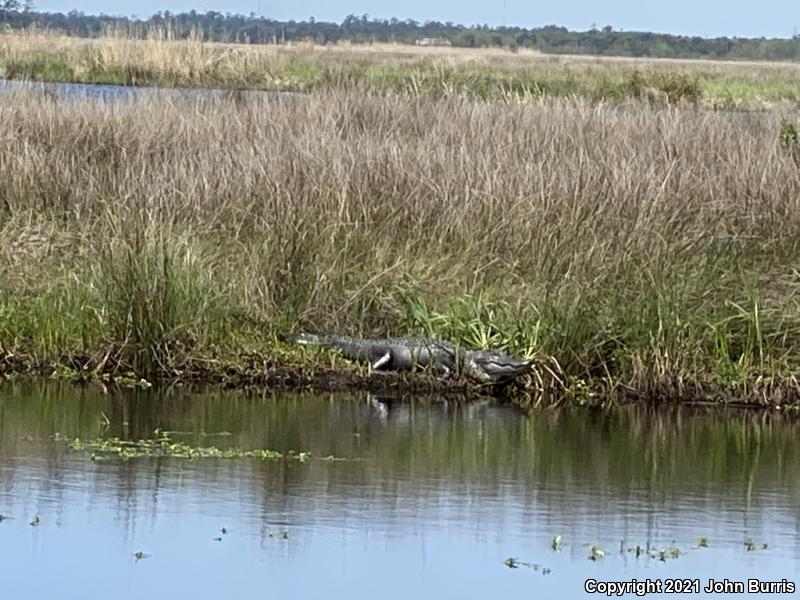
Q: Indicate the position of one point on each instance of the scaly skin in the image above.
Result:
(409, 354)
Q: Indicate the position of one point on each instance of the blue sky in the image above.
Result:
(769, 18)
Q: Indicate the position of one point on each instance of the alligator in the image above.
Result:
(419, 353)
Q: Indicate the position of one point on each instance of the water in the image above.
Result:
(431, 501)
(120, 93)
(116, 94)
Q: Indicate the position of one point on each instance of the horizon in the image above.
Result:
(743, 18)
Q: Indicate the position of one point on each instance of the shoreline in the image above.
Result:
(531, 391)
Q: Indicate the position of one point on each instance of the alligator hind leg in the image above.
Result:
(381, 361)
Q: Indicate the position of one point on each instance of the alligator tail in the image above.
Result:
(304, 339)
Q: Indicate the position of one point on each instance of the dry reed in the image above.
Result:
(632, 243)
(386, 68)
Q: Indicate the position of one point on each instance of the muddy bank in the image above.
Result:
(542, 388)
(248, 371)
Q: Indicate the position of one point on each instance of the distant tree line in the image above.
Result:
(253, 29)
(15, 5)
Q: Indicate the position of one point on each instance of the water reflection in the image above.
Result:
(433, 498)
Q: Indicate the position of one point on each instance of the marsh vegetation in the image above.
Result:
(392, 69)
(649, 248)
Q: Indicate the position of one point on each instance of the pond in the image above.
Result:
(425, 499)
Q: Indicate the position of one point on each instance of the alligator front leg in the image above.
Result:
(441, 370)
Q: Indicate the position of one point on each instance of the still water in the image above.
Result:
(121, 93)
(431, 500)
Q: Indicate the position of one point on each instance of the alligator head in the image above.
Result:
(491, 366)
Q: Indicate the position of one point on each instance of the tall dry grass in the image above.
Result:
(160, 48)
(156, 58)
(634, 243)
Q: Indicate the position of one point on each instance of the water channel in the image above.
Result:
(427, 498)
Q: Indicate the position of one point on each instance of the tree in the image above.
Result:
(9, 7)
(218, 27)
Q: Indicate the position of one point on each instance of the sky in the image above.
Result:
(709, 18)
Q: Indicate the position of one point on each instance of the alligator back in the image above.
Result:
(403, 353)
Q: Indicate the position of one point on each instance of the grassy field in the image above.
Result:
(394, 69)
(649, 251)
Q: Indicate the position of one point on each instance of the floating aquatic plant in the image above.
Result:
(515, 563)
(165, 446)
(750, 545)
(133, 382)
(596, 553)
(665, 553)
(662, 554)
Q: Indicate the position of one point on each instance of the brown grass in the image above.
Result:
(481, 73)
(162, 51)
(622, 242)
